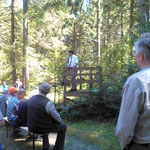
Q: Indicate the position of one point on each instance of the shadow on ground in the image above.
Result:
(10, 143)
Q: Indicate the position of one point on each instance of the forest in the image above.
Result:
(36, 36)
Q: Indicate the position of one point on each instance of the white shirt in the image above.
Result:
(72, 61)
(134, 117)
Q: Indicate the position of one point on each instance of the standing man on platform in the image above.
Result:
(73, 63)
(133, 127)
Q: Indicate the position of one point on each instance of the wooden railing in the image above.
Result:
(91, 76)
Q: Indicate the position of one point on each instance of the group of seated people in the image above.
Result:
(38, 113)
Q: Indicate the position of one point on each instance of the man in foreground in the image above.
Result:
(43, 118)
(133, 127)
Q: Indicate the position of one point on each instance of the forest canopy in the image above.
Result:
(36, 36)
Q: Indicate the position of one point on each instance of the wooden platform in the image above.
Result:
(85, 75)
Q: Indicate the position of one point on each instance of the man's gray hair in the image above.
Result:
(21, 90)
(42, 92)
(143, 45)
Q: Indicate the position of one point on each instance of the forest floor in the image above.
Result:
(71, 142)
(80, 136)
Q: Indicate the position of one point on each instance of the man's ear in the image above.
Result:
(141, 56)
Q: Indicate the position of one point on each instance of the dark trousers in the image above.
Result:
(60, 129)
(17, 122)
(135, 146)
(73, 79)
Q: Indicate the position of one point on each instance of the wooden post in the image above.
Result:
(64, 87)
(55, 93)
(100, 77)
(80, 80)
(25, 69)
(91, 78)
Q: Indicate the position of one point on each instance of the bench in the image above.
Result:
(8, 123)
(33, 135)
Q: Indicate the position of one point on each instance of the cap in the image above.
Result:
(45, 87)
(12, 89)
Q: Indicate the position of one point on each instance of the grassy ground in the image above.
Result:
(100, 134)
(85, 135)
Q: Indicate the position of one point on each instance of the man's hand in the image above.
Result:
(70, 67)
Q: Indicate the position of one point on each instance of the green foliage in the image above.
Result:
(56, 26)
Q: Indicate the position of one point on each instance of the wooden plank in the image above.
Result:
(80, 93)
(81, 68)
(91, 78)
(88, 68)
(82, 81)
(83, 74)
(88, 74)
(70, 69)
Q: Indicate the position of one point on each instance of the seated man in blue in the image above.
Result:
(3, 100)
(2, 122)
(12, 111)
(43, 118)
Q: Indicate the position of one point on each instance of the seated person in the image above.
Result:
(3, 98)
(22, 111)
(12, 93)
(43, 118)
(2, 122)
(12, 111)
(22, 115)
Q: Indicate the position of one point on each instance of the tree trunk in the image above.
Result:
(131, 17)
(25, 70)
(108, 32)
(13, 61)
(131, 29)
(74, 10)
(74, 38)
(98, 32)
(143, 16)
(121, 18)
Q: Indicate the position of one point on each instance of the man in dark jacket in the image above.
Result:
(43, 118)
(22, 111)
